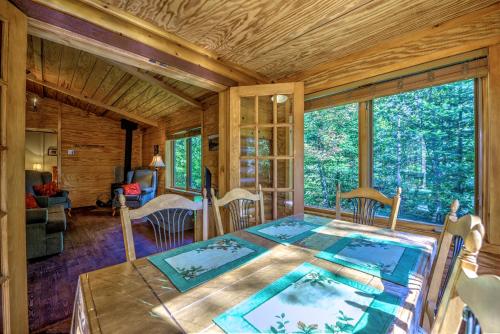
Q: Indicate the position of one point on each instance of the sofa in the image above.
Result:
(147, 179)
(33, 178)
(45, 231)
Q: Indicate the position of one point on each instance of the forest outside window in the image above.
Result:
(423, 141)
(330, 153)
(186, 162)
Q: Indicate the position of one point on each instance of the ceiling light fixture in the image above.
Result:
(280, 98)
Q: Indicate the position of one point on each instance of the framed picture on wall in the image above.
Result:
(52, 151)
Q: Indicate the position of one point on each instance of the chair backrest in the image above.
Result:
(34, 177)
(145, 177)
(365, 203)
(167, 215)
(242, 207)
(465, 236)
(476, 299)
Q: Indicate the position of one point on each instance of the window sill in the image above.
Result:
(182, 192)
(402, 224)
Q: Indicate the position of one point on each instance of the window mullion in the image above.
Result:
(365, 143)
(188, 163)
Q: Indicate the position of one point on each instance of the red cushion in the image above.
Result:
(48, 189)
(31, 201)
(132, 189)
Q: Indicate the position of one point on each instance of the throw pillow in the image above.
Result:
(48, 189)
(30, 201)
(132, 189)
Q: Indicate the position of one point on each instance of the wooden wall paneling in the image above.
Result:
(466, 33)
(51, 60)
(100, 71)
(493, 158)
(13, 48)
(118, 111)
(223, 174)
(210, 127)
(69, 61)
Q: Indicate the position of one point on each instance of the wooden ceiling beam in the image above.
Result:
(158, 83)
(126, 34)
(123, 113)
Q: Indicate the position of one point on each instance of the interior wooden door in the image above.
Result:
(266, 144)
(13, 40)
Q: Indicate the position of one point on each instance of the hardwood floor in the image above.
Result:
(93, 240)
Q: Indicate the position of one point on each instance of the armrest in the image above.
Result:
(118, 192)
(36, 216)
(63, 193)
(43, 201)
(148, 190)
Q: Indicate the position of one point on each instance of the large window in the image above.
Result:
(187, 163)
(422, 141)
(330, 153)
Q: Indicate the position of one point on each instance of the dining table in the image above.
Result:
(137, 297)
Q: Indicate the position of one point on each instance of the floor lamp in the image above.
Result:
(157, 163)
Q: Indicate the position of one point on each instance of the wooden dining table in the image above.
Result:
(136, 297)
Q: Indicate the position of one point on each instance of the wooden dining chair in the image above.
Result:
(365, 202)
(463, 237)
(473, 298)
(167, 214)
(242, 208)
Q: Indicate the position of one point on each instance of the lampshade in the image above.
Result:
(157, 161)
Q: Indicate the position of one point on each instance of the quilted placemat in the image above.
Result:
(389, 260)
(310, 299)
(194, 264)
(289, 229)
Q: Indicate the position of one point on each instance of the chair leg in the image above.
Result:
(114, 212)
(69, 212)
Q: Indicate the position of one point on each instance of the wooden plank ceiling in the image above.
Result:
(280, 38)
(95, 78)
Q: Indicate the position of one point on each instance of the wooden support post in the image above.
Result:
(365, 144)
(493, 158)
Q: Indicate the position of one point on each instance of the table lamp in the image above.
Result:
(157, 163)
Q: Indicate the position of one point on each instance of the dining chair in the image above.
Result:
(463, 237)
(365, 202)
(473, 298)
(241, 206)
(167, 214)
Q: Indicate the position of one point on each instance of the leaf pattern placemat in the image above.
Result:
(311, 299)
(289, 229)
(389, 260)
(196, 263)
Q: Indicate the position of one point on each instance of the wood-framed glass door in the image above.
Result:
(13, 280)
(266, 144)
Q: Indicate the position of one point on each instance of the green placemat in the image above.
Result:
(196, 263)
(313, 300)
(289, 229)
(389, 260)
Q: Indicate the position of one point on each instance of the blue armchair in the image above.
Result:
(33, 178)
(147, 179)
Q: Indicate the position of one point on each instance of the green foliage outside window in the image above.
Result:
(183, 163)
(424, 142)
(196, 162)
(180, 163)
(330, 153)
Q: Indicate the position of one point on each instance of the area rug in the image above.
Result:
(194, 264)
(310, 299)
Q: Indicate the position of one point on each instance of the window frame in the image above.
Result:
(365, 149)
(188, 167)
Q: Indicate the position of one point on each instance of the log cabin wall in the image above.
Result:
(98, 142)
(207, 119)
